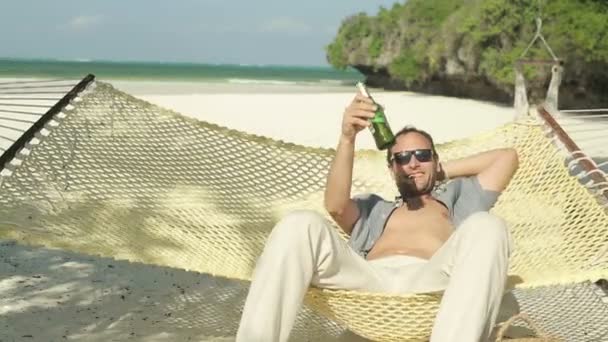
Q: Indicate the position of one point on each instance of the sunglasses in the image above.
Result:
(404, 157)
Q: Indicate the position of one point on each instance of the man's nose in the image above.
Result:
(413, 162)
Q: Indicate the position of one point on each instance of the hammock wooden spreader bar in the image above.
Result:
(592, 170)
(10, 153)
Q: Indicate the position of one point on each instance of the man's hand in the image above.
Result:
(356, 116)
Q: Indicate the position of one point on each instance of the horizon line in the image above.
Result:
(135, 61)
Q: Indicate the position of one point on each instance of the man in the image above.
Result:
(428, 240)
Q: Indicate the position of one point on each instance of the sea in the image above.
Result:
(179, 72)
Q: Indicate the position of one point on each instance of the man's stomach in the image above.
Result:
(422, 245)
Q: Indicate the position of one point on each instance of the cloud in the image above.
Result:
(83, 22)
(285, 25)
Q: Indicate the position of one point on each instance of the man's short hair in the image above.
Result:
(407, 130)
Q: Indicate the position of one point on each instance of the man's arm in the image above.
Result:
(339, 180)
(494, 168)
(337, 190)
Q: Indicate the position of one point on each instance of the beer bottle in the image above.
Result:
(383, 136)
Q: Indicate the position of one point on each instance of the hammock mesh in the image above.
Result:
(115, 176)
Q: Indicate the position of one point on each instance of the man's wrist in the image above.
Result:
(347, 140)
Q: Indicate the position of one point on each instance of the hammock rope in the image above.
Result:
(539, 35)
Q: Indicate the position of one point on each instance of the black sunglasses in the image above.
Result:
(404, 157)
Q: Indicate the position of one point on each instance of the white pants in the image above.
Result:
(304, 249)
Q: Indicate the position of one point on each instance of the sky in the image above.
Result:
(267, 32)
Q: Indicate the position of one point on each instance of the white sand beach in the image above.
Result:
(48, 295)
(311, 118)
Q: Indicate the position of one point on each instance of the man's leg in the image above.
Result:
(475, 259)
(303, 249)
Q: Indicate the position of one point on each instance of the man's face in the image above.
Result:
(414, 177)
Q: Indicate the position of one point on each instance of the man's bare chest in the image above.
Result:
(432, 219)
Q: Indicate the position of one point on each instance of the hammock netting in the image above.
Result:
(115, 176)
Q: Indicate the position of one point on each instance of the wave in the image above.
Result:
(338, 82)
(285, 82)
(260, 81)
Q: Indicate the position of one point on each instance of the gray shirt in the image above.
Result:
(462, 197)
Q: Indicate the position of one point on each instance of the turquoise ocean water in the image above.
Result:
(142, 71)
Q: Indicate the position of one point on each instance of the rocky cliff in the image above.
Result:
(468, 48)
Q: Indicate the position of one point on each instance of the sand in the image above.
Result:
(314, 119)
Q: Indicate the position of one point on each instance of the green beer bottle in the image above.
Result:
(383, 136)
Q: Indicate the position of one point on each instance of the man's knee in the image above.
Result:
(487, 228)
(299, 226)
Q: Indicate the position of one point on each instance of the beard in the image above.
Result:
(408, 189)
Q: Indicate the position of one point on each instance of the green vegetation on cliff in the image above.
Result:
(414, 42)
